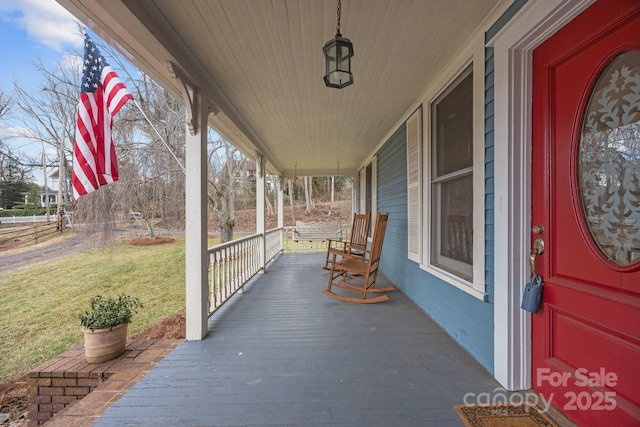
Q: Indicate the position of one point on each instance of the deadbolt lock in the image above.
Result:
(538, 229)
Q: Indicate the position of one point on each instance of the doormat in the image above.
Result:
(516, 415)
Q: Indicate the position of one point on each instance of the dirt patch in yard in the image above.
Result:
(150, 242)
(171, 327)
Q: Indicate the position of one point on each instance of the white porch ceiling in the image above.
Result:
(260, 64)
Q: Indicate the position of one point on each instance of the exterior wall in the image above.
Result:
(467, 319)
(489, 177)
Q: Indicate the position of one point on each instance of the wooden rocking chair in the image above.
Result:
(360, 268)
(355, 245)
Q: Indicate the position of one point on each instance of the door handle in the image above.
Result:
(538, 249)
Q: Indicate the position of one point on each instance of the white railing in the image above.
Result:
(274, 241)
(233, 264)
(31, 218)
(306, 245)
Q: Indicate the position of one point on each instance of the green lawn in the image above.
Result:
(37, 303)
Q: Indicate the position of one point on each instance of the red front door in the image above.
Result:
(586, 197)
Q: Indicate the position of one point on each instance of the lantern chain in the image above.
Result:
(339, 10)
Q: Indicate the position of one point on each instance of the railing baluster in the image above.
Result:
(233, 264)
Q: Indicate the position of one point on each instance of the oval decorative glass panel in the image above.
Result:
(609, 160)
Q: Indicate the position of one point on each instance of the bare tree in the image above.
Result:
(152, 156)
(15, 175)
(12, 171)
(9, 162)
(49, 115)
(5, 104)
(227, 167)
(291, 199)
(308, 193)
(151, 181)
(268, 205)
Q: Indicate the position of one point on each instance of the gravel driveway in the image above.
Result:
(25, 257)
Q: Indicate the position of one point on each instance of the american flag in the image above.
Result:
(102, 94)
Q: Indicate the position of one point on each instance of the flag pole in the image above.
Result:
(160, 136)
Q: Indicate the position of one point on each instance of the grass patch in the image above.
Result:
(37, 303)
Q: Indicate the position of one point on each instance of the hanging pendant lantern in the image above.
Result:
(337, 56)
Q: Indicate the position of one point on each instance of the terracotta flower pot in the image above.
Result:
(104, 344)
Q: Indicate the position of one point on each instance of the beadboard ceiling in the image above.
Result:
(260, 65)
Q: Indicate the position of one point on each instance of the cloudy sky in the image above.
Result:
(32, 31)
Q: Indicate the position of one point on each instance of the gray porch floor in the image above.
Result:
(283, 353)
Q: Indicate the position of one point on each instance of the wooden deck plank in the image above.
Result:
(283, 353)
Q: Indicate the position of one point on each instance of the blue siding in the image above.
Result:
(489, 129)
(506, 16)
(468, 320)
(392, 198)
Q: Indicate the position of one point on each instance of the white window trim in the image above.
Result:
(363, 188)
(373, 161)
(374, 188)
(473, 53)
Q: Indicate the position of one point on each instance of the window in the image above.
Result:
(452, 136)
(451, 209)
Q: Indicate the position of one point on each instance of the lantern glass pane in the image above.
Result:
(343, 58)
(330, 58)
(339, 78)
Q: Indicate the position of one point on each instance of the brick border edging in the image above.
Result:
(64, 380)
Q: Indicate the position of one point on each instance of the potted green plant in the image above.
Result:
(105, 326)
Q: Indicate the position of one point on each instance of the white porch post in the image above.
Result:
(354, 195)
(260, 206)
(197, 288)
(280, 202)
(281, 211)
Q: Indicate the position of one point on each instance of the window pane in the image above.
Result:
(452, 178)
(453, 130)
(609, 160)
(456, 219)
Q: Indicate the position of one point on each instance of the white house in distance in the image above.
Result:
(51, 193)
(500, 135)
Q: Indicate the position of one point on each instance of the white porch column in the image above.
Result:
(260, 205)
(197, 289)
(280, 202)
(354, 196)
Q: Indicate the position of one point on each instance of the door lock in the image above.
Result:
(538, 249)
(538, 246)
(538, 229)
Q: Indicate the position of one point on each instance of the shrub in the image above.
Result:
(109, 312)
